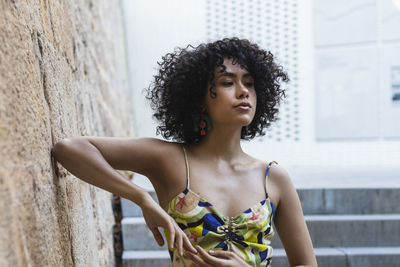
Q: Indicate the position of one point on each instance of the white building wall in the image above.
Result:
(333, 115)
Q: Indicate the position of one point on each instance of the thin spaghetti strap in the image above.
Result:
(187, 168)
(266, 176)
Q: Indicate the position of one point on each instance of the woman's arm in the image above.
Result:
(95, 160)
(289, 222)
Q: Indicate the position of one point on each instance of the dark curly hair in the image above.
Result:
(180, 86)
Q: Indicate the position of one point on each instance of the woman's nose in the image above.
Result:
(242, 89)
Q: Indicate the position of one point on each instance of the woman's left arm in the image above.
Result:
(289, 221)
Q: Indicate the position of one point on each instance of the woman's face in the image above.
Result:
(232, 87)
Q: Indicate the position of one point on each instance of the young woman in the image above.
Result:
(216, 202)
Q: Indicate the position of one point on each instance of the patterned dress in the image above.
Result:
(246, 234)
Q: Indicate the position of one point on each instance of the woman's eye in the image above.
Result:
(227, 83)
(230, 83)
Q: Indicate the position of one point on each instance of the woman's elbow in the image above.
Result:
(60, 146)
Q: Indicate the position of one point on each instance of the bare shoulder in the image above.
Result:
(281, 182)
(280, 174)
(168, 175)
(168, 163)
(170, 154)
(157, 159)
(138, 154)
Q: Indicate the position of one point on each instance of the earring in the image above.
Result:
(204, 124)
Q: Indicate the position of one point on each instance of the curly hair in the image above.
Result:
(180, 87)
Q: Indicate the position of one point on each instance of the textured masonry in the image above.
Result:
(62, 74)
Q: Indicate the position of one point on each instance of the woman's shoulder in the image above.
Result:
(279, 180)
(254, 160)
(162, 153)
(172, 155)
(278, 172)
(282, 183)
(170, 151)
(173, 147)
(166, 146)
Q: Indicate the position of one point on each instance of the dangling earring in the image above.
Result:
(204, 124)
(247, 130)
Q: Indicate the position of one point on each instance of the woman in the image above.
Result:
(209, 190)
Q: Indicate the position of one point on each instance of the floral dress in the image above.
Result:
(248, 234)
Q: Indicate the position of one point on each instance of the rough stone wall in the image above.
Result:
(62, 74)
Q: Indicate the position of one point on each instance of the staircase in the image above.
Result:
(353, 222)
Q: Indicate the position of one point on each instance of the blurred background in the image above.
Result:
(78, 68)
(343, 59)
(338, 133)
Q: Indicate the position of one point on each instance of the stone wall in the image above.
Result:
(62, 74)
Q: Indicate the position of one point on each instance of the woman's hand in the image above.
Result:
(220, 258)
(155, 216)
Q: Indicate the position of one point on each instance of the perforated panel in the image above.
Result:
(273, 25)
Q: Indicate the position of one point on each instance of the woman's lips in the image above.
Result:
(243, 107)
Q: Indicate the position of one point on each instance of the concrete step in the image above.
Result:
(375, 230)
(325, 231)
(137, 236)
(323, 201)
(130, 209)
(348, 257)
(326, 257)
(146, 258)
(350, 200)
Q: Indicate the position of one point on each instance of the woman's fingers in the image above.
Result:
(179, 243)
(183, 242)
(171, 231)
(181, 239)
(157, 236)
(197, 260)
(207, 258)
(188, 245)
(223, 254)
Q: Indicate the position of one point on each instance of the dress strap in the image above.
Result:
(266, 176)
(187, 168)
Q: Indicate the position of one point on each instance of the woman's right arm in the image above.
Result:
(95, 161)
